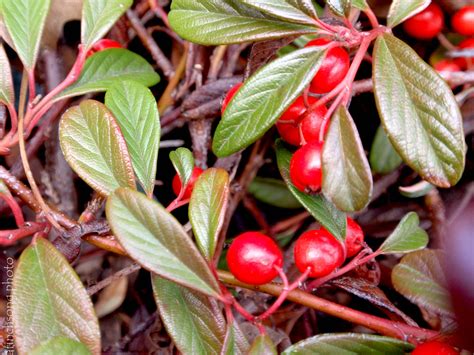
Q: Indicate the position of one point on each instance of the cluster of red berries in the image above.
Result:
(300, 125)
(254, 258)
(434, 348)
(430, 22)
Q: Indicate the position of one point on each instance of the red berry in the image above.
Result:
(230, 94)
(310, 123)
(305, 167)
(463, 21)
(447, 65)
(463, 61)
(434, 348)
(354, 238)
(318, 250)
(252, 256)
(333, 69)
(427, 24)
(102, 45)
(189, 188)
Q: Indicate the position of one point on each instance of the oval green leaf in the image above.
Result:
(360, 4)
(193, 320)
(135, 109)
(407, 237)
(207, 209)
(235, 342)
(183, 162)
(340, 7)
(106, 68)
(320, 208)
(383, 158)
(400, 10)
(156, 240)
(419, 112)
(282, 9)
(273, 192)
(7, 95)
(420, 277)
(263, 98)
(60, 345)
(212, 22)
(49, 300)
(98, 17)
(347, 179)
(262, 345)
(25, 20)
(417, 190)
(350, 344)
(93, 145)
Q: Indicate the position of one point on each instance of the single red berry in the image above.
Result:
(434, 348)
(189, 188)
(427, 24)
(447, 65)
(333, 69)
(230, 95)
(252, 256)
(305, 167)
(318, 250)
(463, 21)
(288, 124)
(354, 238)
(463, 61)
(102, 45)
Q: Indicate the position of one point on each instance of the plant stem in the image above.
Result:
(380, 325)
(16, 210)
(31, 85)
(8, 237)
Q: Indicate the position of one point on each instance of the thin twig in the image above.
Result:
(107, 281)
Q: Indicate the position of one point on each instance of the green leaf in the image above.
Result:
(420, 277)
(98, 17)
(417, 190)
(360, 4)
(273, 192)
(156, 240)
(207, 208)
(347, 179)
(307, 6)
(49, 300)
(282, 9)
(324, 211)
(383, 158)
(106, 68)
(400, 10)
(94, 147)
(183, 162)
(262, 345)
(60, 345)
(407, 237)
(212, 22)
(263, 98)
(235, 342)
(193, 320)
(340, 7)
(419, 112)
(136, 111)
(350, 344)
(7, 94)
(25, 20)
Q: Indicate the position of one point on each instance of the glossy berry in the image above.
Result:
(434, 348)
(333, 69)
(354, 238)
(466, 44)
(288, 124)
(427, 24)
(102, 45)
(463, 21)
(318, 250)
(189, 188)
(252, 256)
(447, 65)
(305, 167)
(229, 96)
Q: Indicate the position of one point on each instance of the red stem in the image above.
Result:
(8, 237)
(372, 18)
(16, 209)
